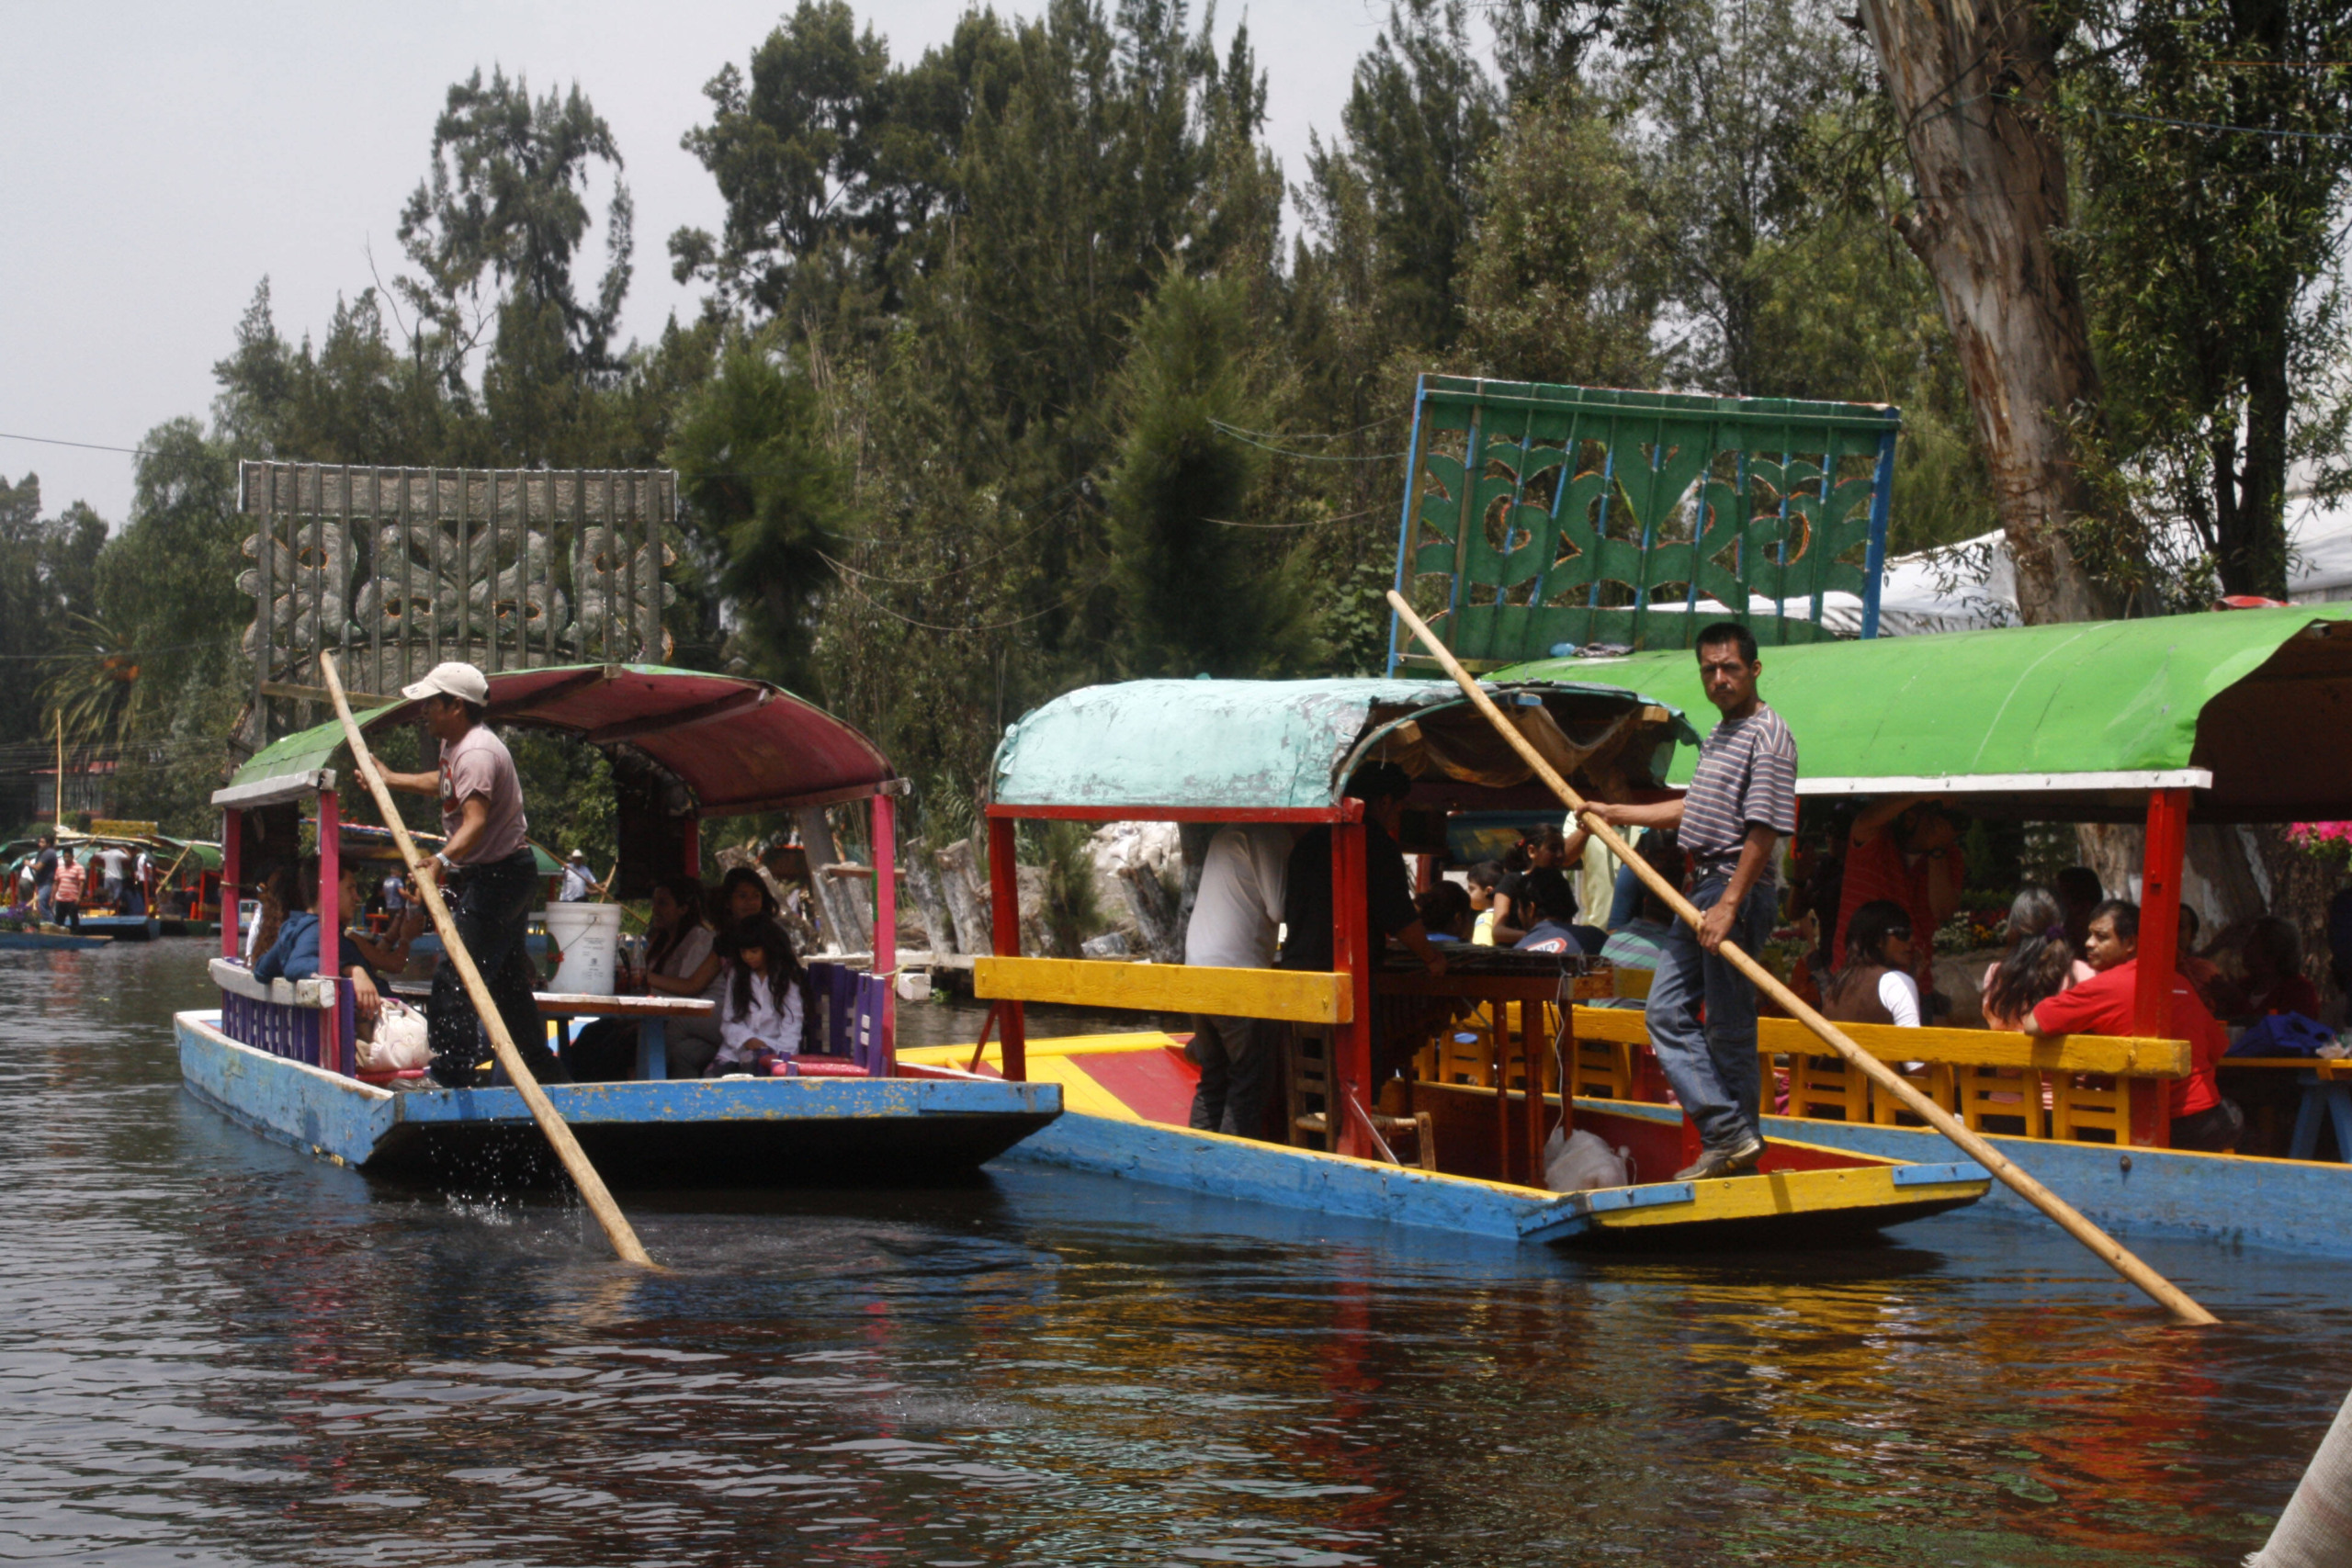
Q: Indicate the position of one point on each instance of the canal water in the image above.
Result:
(216, 1350)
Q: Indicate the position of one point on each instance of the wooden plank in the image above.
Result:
(1955, 1047)
(1298, 996)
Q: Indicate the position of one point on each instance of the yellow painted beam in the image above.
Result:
(1299, 996)
(1786, 1192)
(1955, 1047)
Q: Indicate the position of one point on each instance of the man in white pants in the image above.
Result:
(1235, 916)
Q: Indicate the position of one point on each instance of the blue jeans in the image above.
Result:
(492, 905)
(1714, 1069)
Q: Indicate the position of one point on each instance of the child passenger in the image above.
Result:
(759, 1008)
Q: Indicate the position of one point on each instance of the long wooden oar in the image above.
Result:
(566, 1147)
(2109, 1250)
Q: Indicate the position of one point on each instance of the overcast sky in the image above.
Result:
(157, 160)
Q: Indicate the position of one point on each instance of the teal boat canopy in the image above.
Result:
(738, 745)
(2077, 722)
(1290, 745)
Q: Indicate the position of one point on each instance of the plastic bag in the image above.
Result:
(400, 1041)
(1582, 1162)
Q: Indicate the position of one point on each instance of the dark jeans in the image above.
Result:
(1236, 1058)
(492, 905)
(1714, 1069)
(67, 914)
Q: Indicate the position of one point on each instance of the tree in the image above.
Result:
(503, 205)
(1970, 86)
(1197, 595)
(2212, 258)
(765, 489)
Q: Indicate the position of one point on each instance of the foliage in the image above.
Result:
(1072, 912)
(2213, 258)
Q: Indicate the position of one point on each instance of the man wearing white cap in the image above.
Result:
(579, 881)
(490, 876)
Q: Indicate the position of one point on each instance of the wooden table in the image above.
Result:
(651, 1013)
(1529, 993)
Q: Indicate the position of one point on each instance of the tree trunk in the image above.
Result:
(845, 931)
(922, 882)
(967, 903)
(1967, 83)
(1155, 912)
(2252, 553)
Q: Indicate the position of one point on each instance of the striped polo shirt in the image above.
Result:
(1747, 773)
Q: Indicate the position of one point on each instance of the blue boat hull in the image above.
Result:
(123, 928)
(699, 1133)
(1249, 1171)
(46, 940)
(2241, 1200)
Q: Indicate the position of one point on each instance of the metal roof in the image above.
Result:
(739, 745)
(2253, 708)
(1276, 745)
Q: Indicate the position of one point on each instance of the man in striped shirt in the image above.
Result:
(1741, 801)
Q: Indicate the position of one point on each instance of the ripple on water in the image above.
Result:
(218, 1350)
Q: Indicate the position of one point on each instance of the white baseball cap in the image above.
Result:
(462, 682)
(580, 854)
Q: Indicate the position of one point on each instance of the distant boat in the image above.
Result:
(39, 940)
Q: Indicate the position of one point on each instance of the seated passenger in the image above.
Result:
(295, 954)
(2212, 987)
(2039, 962)
(1484, 878)
(681, 960)
(2272, 956)
(759, 1008)
(1876, 984)
(1445, 912)
(2201, 1119)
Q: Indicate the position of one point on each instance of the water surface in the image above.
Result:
(213, 1349)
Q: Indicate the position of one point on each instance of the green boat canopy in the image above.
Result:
(2250, 708)
(1290, 745)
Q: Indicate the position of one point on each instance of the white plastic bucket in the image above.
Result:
(585, 937)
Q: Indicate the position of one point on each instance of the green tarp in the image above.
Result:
(2093, 705)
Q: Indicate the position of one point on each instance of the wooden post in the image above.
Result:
(1533, 1046)
(885, 932)
(2166, 847)
(233, 862)
(1348, 1072)
(332, 1047)
(2102, 1246)
(1005, 919)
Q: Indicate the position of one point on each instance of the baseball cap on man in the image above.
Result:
(462, 682)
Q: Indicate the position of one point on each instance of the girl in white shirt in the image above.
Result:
(759, 1008)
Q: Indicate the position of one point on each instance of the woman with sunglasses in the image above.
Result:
(1875, 985)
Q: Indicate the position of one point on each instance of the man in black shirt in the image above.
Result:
(1388, 888)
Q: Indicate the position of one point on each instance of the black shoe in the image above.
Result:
(450, 1075)
(1736, 1160)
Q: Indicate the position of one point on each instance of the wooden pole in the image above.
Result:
(566, 1147)
(60, 823)
(2109, 1250)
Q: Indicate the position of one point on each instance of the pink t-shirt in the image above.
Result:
(479, 764)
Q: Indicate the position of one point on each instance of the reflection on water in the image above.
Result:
(216, 1350)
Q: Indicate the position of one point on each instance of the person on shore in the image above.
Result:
(1235, 915)
(1877, 984)
(65, 892)
(2104, 1004)
(1740, 803)
(492, 880)
(2039, 962)
(579, 880)
(759, 1010)
(45, 877)
(1906, 852)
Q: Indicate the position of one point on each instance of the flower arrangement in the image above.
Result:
(2328, 842)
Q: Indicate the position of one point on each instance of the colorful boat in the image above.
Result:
(1476, 1117)
(281, 1056)
(2217, 718)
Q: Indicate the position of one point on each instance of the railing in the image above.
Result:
(308, 1021)
(1295, 996)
